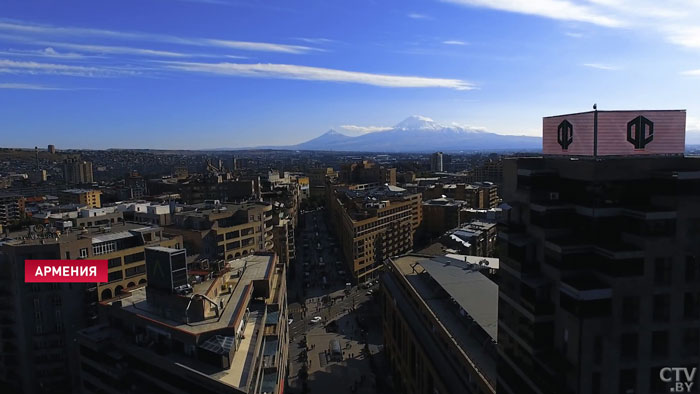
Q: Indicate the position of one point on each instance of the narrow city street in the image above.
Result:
(335, 329)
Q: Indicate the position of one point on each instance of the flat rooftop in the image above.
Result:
(463, 284)
(116, 231)
(251, 268)
(79, 191)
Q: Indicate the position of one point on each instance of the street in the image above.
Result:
(325, 308)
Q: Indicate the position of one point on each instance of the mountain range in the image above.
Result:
(419, 134)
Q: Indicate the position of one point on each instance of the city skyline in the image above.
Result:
(248, 73)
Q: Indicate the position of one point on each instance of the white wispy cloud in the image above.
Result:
(454, 42)
(316, 41)
(290, 71)
(53, 31)
(415, 15)
(692, 73)
(45, 52)
(20, 67)
(364, 129)
(116, 50)
(574, 34)
(554, 9)
(676, 21)
(600, 66)
(27, 86)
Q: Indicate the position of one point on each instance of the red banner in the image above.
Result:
(76, 271)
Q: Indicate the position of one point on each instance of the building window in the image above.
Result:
(661, 307)
(134, 257)
(138, 270)
(691, 306)
(114, 276)
(114, 262)
(692, 269)
(691, 342)
(629, 344)
(630, 310)
(628, 381)
(662, 271)
(659, 343)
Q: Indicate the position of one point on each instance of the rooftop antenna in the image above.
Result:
(36, 155)
(595, 131)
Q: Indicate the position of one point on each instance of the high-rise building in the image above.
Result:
(374, 224)
(599, 257)
(223, 332)
(52, 149)
(440, 325)
(76, 171)
(436, 162)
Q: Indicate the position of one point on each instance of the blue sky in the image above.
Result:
(197, 74)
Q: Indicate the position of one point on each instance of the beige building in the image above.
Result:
(374, 224)
(223, 232)
(87, 197)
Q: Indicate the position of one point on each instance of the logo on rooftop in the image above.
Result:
(565, 134)
(640, 132)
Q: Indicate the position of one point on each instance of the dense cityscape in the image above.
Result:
(304, 271)
(349, 197)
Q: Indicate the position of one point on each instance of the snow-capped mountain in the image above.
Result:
(421, 134)
(322, 142)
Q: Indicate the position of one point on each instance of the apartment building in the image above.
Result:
(599, 257)
(442, 214)
(77, 172)
(439, 318)
(221, 231)
(81, 197)
(221, 333)
(479, 195)
(476, 238)
(436, 164)
(11, 208)
(367, 171)
(373, 224)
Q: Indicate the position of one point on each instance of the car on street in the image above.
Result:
(369, 292)
(290, 321)
(316, 319)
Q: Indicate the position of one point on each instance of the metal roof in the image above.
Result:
(474, 292)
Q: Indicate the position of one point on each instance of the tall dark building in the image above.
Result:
(600, 259)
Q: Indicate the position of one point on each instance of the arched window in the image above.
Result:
(106, 294)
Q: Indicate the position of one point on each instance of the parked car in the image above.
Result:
(369, 292)
(316, 319)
